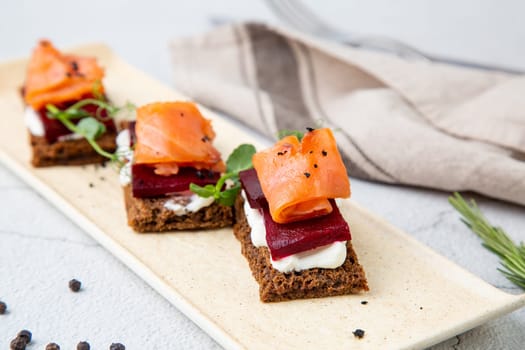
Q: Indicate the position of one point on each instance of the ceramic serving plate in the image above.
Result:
(204, 274)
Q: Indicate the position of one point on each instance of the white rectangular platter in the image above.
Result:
(204, 274)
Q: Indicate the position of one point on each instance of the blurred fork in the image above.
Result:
(299, 16)
(302, 18)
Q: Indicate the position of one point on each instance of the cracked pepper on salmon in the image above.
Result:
(299, 177)
(54, 78)
(171, 135)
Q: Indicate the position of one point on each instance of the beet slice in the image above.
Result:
(296, 237)
(252, 188)
(132, 134)
(145, 183)
(53, 128)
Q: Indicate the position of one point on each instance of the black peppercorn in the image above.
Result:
(3, 307)
(25, 334)
(52, 346)
(75, 285)
(83, 345)
(117, 346)
(359, 333)
(18, 344)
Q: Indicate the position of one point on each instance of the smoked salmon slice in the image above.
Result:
(55, 78)
(171, 135)
(299, 178)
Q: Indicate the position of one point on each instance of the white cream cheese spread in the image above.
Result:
(125, 153)
(33, 122)
(194, 204)
(329, 256)
(36, 127)
(256, 222)
(70, 137)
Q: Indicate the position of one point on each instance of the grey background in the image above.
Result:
(40, 249)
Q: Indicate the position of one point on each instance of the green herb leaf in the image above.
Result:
(227, 197)
(240, 159)
(285, 132)
(52, 111)
(205, 192)
(512, 256)
(97, 90)
(90, 128)
(76, 113)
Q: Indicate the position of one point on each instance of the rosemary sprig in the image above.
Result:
(512, 256)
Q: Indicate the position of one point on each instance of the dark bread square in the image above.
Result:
(150, 215)
(349, 278)
(70, 152)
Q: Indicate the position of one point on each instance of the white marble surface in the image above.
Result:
(41, 250)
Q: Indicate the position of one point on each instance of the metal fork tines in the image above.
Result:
(299, 16)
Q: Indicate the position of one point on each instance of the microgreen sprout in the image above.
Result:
(240, 159)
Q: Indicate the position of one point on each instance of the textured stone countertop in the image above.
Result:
(41, 249)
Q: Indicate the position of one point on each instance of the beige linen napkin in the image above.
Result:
(396, 121)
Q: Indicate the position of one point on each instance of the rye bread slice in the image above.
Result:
(274, 286)
(150, 215)
(70, 152)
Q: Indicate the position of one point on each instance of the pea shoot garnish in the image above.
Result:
(90, 126)
(240, 159)
(286, 132)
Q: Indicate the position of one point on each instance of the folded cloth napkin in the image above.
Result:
(396, 121)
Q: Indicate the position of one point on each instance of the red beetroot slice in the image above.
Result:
(252, 188)
(53, 128)
(145, 183)
(287, 239)
(132, 134)
(296, 237)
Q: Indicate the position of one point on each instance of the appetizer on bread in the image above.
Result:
(168, 148)
(66, 108)
(296, 241)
